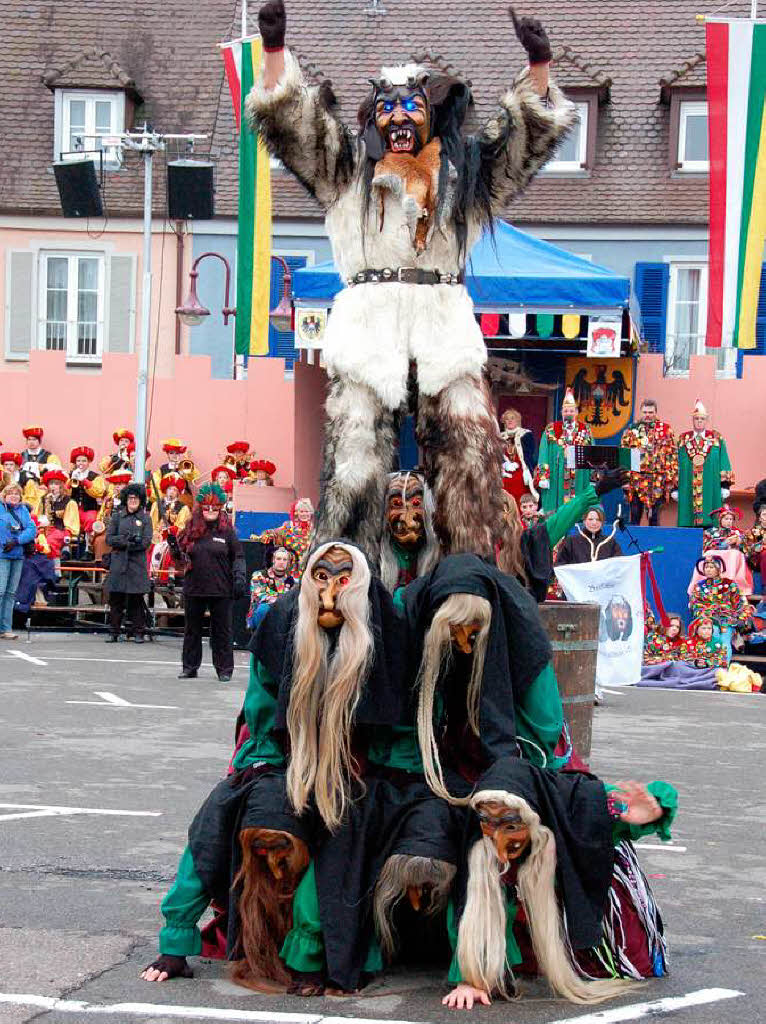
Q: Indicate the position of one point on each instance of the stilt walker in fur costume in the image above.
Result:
(409, 547)
(554, 886)
(406, 199)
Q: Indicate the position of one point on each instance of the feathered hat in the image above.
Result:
(222, 469)
(726, 509)
(172, 480)
(82, 449)
(238, 448)
(122, 433)
(33, 432)
(120, 477)
(10, 457)
(211, 494)
(54, 474)
(263, 466)
(173, 445)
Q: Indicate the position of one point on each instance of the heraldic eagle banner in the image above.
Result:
(603, 390)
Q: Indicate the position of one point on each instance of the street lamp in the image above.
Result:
(281, 317)
(192, 312)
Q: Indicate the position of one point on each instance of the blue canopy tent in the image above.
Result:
(510, 272)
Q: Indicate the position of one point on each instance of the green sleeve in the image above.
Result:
(725, 462)
(512, 951)
(563, 519)
(396, 746)
(399, 599)
(303, 948)
(540, 719)
(183, 906)
(260, 709)
(667, 797)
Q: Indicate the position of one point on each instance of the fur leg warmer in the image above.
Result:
(463, 460)
(359, 452)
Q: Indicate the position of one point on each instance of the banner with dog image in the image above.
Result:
(615, 585)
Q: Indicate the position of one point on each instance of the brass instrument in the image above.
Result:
(186, 466)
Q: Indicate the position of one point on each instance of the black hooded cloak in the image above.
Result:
(573, 806)
(517, 647)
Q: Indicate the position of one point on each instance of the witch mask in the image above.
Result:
(505, 828)
(405, 512)
(331, 574)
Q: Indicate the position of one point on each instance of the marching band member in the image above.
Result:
(118, 460)
(61, 515)
(86, 487)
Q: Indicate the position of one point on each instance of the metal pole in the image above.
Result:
(243, 27)
(753, 8)
(139, 469)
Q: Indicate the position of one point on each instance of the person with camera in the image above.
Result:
(129, 535)
(16, 530)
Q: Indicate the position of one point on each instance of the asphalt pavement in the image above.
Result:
(106, 755)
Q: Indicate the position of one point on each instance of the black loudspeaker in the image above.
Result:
(190, 190)
(257, 556)
(78, 188)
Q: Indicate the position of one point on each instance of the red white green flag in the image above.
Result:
(242, 62)
(736, 85)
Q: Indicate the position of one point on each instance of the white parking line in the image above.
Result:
(55, 811)
(111, 700)
(26, 657)
(665, 847)
(636, 1011)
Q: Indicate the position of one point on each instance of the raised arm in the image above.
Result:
(534, 117)
(297, 123)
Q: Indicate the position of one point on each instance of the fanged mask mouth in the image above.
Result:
(402, 140)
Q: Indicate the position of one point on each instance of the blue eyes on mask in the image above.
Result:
(410, 105)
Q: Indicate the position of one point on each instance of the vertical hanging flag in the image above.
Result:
(736, 84)
(242, 64)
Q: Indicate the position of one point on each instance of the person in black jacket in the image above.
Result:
(129, 534)
(215, 577)
(590, 543)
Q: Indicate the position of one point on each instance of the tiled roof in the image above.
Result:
(169, 51)
(94, 68)
(692, 73)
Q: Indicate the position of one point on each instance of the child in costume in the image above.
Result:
(665, 643)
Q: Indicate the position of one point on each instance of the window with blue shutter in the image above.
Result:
(282, 343)
(651, 284)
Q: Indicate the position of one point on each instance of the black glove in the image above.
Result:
(272, 22)
(174, 546)
(533, 38)
(174, 966)
(9, 545)
(610, 480)
(240, 587)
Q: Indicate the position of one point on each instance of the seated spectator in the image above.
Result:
(16, 530)
(717, 597)
(267, 585)
(529, 510)
(294, 534)
(701, 648)
(725, 535)
(665, 643)
(755, 538)
(38, 573)
(589, 543)
(61, 517)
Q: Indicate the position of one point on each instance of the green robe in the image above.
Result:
(665, 795)
(716, 473)
(563, 484)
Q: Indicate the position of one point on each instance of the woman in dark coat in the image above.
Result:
(589, 543)
(215, 577)
(129, 535)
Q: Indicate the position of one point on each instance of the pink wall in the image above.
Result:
(737, 409)
(281, 418)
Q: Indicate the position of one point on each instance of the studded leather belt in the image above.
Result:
(404, 275)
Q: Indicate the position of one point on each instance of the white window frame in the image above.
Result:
(63, 97)
(686, 109)
(576, 166)
(726, 358)
(72, 355)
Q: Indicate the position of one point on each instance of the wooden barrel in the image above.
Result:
(573, 632)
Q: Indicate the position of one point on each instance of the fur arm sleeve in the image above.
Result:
(522, 137)
(298, 125)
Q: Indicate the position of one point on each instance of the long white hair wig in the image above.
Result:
(326, 690)
(457, 609)
(481, 935)
(428, 555)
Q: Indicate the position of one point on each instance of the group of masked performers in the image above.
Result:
(402, 767)
(399, 776)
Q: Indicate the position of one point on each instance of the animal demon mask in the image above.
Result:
(401, 110)
(405, 515)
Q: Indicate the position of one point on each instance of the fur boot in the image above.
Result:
(359, 451)
(463, 460)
